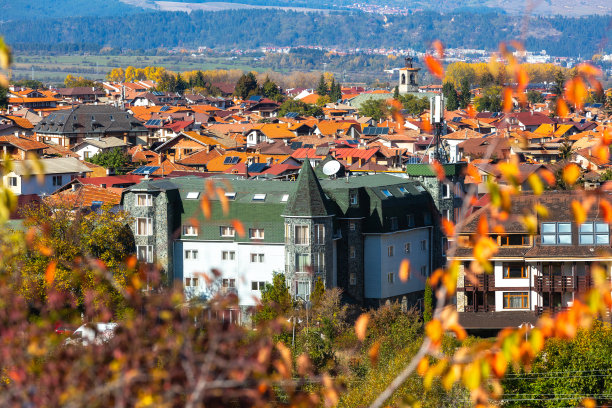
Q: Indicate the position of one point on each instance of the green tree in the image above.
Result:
(181, 85)
(246, 86)
(451, 97)
(565, 150)
(322, 87)
(166, 83)
(413, 104)
(535, 97)
(74, 82)
(3, 97)
(323, 100)
(301, 108)
(270, 89)
(335, 91)
(115, 159)
(374, 108)
(396, 93)
(427, 302)
(490, 100)
(466, 94)
(276, 301)
(559, 84)
(29, 83)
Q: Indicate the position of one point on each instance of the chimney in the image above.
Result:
(73, 187)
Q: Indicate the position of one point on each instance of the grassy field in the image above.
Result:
(54, 68)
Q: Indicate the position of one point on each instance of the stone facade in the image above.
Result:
(352, 239)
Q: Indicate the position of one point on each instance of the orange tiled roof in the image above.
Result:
(274, 131)
(86, 194)
(23, 143)
(217, 164)
(21, 122)
(206, 140)
(311, 99)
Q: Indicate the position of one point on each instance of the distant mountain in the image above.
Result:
(37, 9)
(251, 29)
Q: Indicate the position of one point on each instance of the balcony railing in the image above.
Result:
(481, 283)
(552, 310)
(563, 283)
(479, 308)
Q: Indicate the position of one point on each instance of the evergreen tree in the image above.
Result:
(270, 90)
(466, 94)
(559, 84)
(275, 300)
(322, 87)
(3, 97)
(198, 80)
(396, 93)
(450, 96)
(335, 93)
(246, 86)
(114, 159)
(181, 85)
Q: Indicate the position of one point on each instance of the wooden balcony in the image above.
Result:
(551, 310)
(485, 283)
(479, 308)
(563, 283)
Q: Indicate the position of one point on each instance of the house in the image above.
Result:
(12, 125)
(268, 131)
(68, 127)
(351, 234)
(81, 94)
(18, 148)
(186, 143)
(42, 177)
(531, 274)
(90, 147)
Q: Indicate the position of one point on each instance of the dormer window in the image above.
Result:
(387, 193)
(285, 198)
(353, 199)
(193, 195)
(403, 190)
(259, 197)
(230, 195)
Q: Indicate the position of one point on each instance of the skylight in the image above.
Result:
(387, 193)
(230, 195)
(259, 197)
(285, 198)
(403, 190)
(193, 195)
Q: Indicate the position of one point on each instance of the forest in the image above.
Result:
(559, 36)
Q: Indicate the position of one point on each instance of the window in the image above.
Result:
(353, 199)
(257, 258)
(319, 234)
(258, 285)
(256, 233)
(191, 254)
(57, 180)
(424, 270)
(187, 281)
(352, 252)
(12, 181)
(302, 235)
(514, 271)
(302, 289)
(394, 223)
(516, 300)
(403, 190)
(228, 255)
(284, 198)
(230, 196)
(144, 253)
(423, 245)
(390, 250)
(446, 191)
(410, 220)
(352, 225)
(287, 233)
(353, 279)
(427, 218)
(594, 233)
(448, 215)
(229, 283)
(319, 262)
(387, 193)
(144, 200)
(407, 247)
(391, 277)
(302, 262)
(259, 197)
(514, 240)
(86, 154)
(190, 230)
(191, 281)
(144, 226)
(559, 233)
(193, 195)
(227, 231)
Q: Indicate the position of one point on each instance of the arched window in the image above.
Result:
(403, 79)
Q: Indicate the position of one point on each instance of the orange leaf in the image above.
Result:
(223, 199)
(472, 171)
(238, 227)
(439, 170)
(589, 70)
(404, 271)
(483, 225)
(522, 79)
(439, 47)
(576, 91)
(471, 111)
(589, 403)
(507, 99)
(606, 136)
(434, 66)
(606, 209)
(602, 153)
(422, 366)
(562, 109)
(499, 364)
(548, 176)
(361, 326)
(205, 205)
(459, 331)
(373, 353)
(50, 272)
(579, 213)
(571, 172)
(448, 227)
(433, 330)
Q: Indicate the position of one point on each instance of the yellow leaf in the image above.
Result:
(422, 366)
(535, 183)
(361, 326)
(433, 330)
(404, 272)
(471, 375)
(579, 213)
(571, 172)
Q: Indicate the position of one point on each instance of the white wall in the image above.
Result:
(241, 268)
(93, 150)
(378, 263)
(500, 282)
(31, 185)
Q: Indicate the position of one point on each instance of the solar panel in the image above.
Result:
(296, 145)
(308, 146)
(235, 160)
(291, 115)
(255, 98)
(227, 160)
(145, 170)
(257, 167)
(164, 108)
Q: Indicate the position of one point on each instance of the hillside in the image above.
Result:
(560, 36)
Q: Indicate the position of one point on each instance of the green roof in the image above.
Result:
(308, 200)
(427, 171)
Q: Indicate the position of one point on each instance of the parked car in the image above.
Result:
(93, 333)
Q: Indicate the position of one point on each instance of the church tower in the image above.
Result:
(408, 78)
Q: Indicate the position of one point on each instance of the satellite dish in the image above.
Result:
(331, 168)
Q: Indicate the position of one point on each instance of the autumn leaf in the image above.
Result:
(576, 91)
(602, 153)
(50, 272)
(448, 227)
(548, 176)
(483, 225)
(589, 403)
(433, 330)
(205, 205)
(373, 353)
(239, 228)
(535, 183)
(439, 47)
(422, 366)
(499, 364)
(606, 210)
(471, 111)
(434, 66)
(404, 271)
(507, 99)
(589, 70)
(439, 170)
(571, 172)
(562, 109)
(224, 200)
(361, 326)
(473, 172)
(579, 213)
(522, 79)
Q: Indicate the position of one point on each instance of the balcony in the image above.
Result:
(552, 310)
(479, 308)
(563, 283)
(481, 283)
